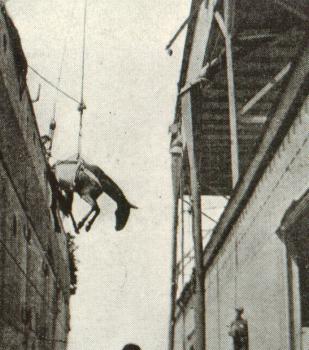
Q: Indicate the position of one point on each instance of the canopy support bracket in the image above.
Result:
(258, 96)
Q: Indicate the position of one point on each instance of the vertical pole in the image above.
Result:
(176, 160)
(229, 22)
(183, 256)
(199, 294)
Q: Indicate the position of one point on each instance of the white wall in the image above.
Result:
(258, 282)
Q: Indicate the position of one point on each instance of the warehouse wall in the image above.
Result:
(34, 268)
(251, 268)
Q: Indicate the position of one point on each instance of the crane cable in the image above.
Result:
(52, 125)
(82, 105)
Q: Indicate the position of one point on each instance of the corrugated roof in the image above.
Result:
(266, 40)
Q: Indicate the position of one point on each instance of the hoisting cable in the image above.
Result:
(82, 105)
(204, 214)
(52, 125)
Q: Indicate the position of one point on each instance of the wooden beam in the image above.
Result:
(220, 107)
(257, 97)
(176, 173)
(253, 119)
(199, 296)
(200, 77)
(182, 27)
(232, 110)
(292, 9)
(222, 138)
(229, 15)
(256, 37)
(221, 23)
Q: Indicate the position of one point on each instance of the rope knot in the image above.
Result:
(81, 107)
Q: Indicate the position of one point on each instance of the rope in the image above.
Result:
(83, 54)
(52, 125)
(82, 105)
(204, 214)
(189, 256)
(53, 85)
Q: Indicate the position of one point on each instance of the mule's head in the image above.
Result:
(122, 214)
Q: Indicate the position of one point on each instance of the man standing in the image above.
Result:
(239, 331)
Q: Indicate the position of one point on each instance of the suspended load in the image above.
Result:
(74, 175)
(66, 173)
(89, 181)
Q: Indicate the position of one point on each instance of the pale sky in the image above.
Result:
(130, 91)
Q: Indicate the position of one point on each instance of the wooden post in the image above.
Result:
(176, 173)
(229, 22)
(229, 14)
(199, 294)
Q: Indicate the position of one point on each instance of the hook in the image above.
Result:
(169, 51)
(38, 95)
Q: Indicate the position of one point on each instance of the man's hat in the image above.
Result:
(131, 347)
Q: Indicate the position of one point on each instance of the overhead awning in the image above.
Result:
(265, 43)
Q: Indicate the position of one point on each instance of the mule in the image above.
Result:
(90, 181)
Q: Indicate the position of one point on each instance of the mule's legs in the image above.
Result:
(92, 202)
(82, 222)
(74, 223)
(97, 212)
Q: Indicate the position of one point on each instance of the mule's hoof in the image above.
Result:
(79, 226)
